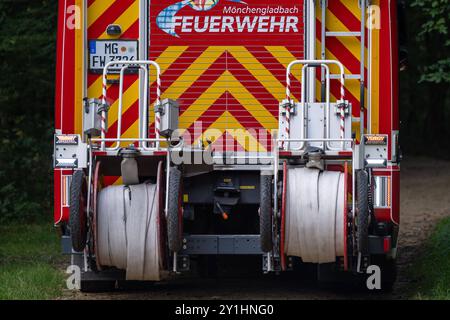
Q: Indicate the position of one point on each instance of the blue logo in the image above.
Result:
(165, 19)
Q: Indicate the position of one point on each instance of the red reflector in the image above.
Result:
(387, 244)
(284, 153)
(99, 153)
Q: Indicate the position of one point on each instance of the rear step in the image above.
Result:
(221, 244)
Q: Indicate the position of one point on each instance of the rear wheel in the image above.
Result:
(174, 214)
(362, 212)
(78, 212)
(265, 213)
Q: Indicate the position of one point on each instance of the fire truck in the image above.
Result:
(192, 130)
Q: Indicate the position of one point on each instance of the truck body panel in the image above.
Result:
(225, 63)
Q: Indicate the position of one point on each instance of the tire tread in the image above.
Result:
(265, 214)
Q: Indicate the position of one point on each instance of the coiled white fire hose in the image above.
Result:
(315, 215)
(127, 230)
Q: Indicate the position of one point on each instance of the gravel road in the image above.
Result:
(425, 198)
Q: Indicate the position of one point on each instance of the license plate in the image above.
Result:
(103, 51)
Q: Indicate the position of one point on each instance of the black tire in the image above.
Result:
(78, 213)
(362, 212)
(174, 218)
(265, 213)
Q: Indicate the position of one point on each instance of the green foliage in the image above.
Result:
(29, 262)
(27, 63)
(434, 23)
(34, 281)
(433, 268)
(438, 72)
(425, 86)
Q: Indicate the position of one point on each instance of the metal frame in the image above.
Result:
(307, 94)
(142, 64)
(221, 244)
(324, 66)
(361, 33)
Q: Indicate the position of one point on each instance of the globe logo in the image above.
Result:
(165, 19)
(202, 5)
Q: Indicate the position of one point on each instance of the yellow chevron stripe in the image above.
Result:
(285, 57)
(97, 9)
(350, 85)
(132, 93)
(132, 131)
(353, 7)
(259, 71)
(226, 123)
(126, 19)
(129, 97)
(351, 43)
(95, 89)
(227, 82)
(169, 55)
(191, 74)
(242, 136)
(166, 58)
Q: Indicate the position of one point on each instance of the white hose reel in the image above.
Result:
(315, 209)
(128, 230)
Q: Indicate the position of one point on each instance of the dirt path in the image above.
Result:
(425, 198)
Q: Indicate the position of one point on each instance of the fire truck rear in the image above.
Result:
(195, 129)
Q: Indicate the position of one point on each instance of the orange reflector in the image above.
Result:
(66, 139)
(374, 139)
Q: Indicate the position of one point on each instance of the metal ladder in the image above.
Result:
(363, 4)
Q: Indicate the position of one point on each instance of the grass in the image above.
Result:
(30, 259)
(30, 263)
(433, 268)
